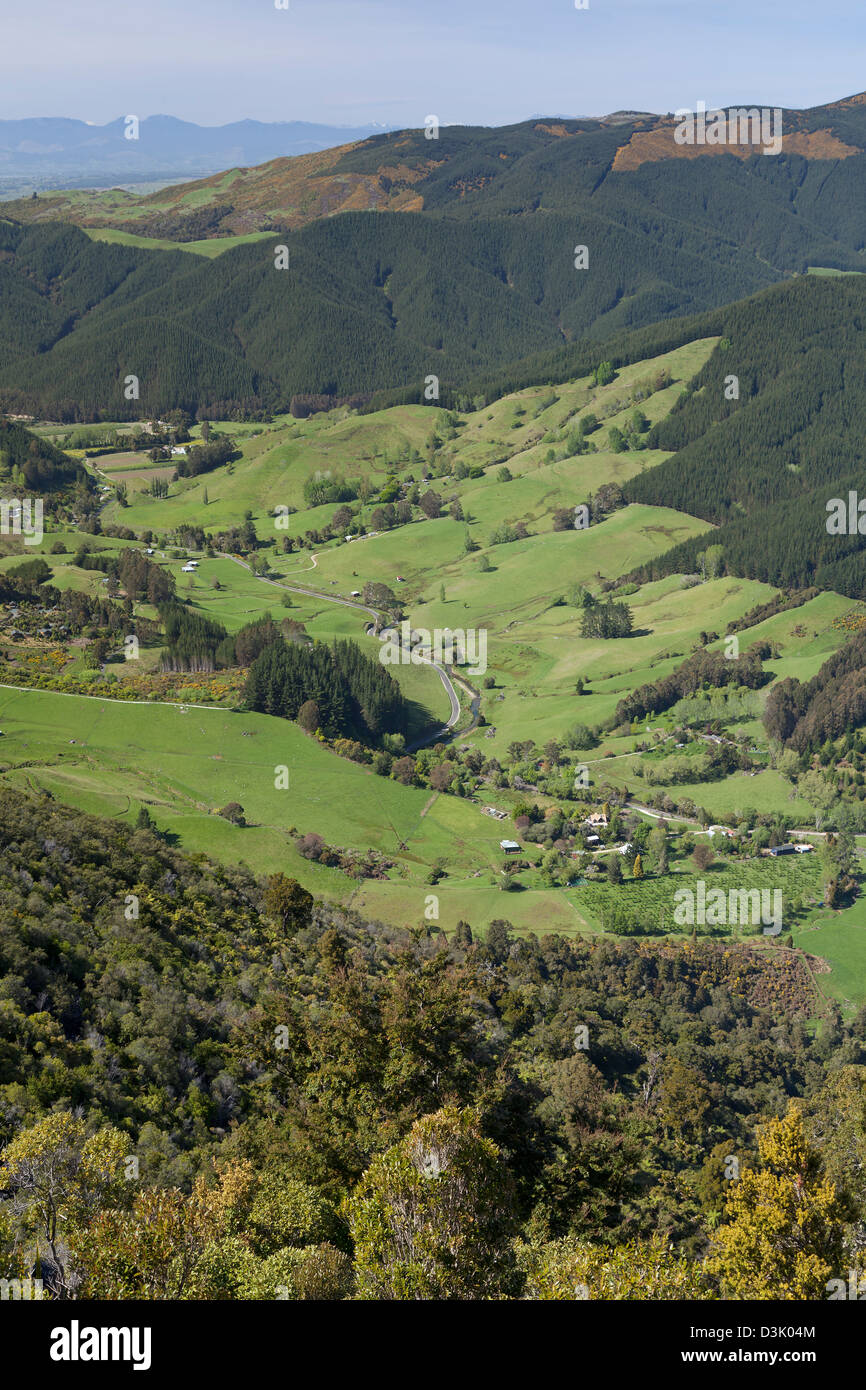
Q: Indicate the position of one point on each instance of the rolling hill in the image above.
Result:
(764, 466)
(466, 264)
(623, 165)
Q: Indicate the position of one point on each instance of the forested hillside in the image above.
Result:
(83, 316)
(578, 1100)
(33, 463)
(806, 716)
(764, 466)
(494, 218)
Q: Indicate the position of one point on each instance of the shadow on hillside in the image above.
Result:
(419, 724)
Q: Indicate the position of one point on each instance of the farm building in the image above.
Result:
(509, 846)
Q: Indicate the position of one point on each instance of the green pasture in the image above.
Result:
(210, 247)
(184, 763)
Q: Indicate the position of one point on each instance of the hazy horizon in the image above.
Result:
(356, 62)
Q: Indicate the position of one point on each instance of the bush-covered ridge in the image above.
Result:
(317, 1058)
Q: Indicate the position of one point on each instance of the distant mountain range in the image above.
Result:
(51, 151)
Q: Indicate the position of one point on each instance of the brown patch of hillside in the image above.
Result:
(463, 186)
(659, 143)
(294, 191)
(558, 130)
(283, 193)
(286, 171)
(858, 100)
(817, 144)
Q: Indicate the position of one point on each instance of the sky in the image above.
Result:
(485, 62)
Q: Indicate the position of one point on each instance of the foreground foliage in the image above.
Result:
(215, 1087)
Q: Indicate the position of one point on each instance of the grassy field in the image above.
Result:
(831, 270)
(281, 458)
(212, 246)
(185, 763)
(839, 938)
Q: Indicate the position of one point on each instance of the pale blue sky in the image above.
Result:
(396, 61)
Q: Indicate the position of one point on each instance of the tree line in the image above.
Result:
(705, 669)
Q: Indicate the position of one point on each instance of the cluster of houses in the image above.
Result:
(599, 821)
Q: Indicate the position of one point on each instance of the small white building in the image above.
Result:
(509, 846)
